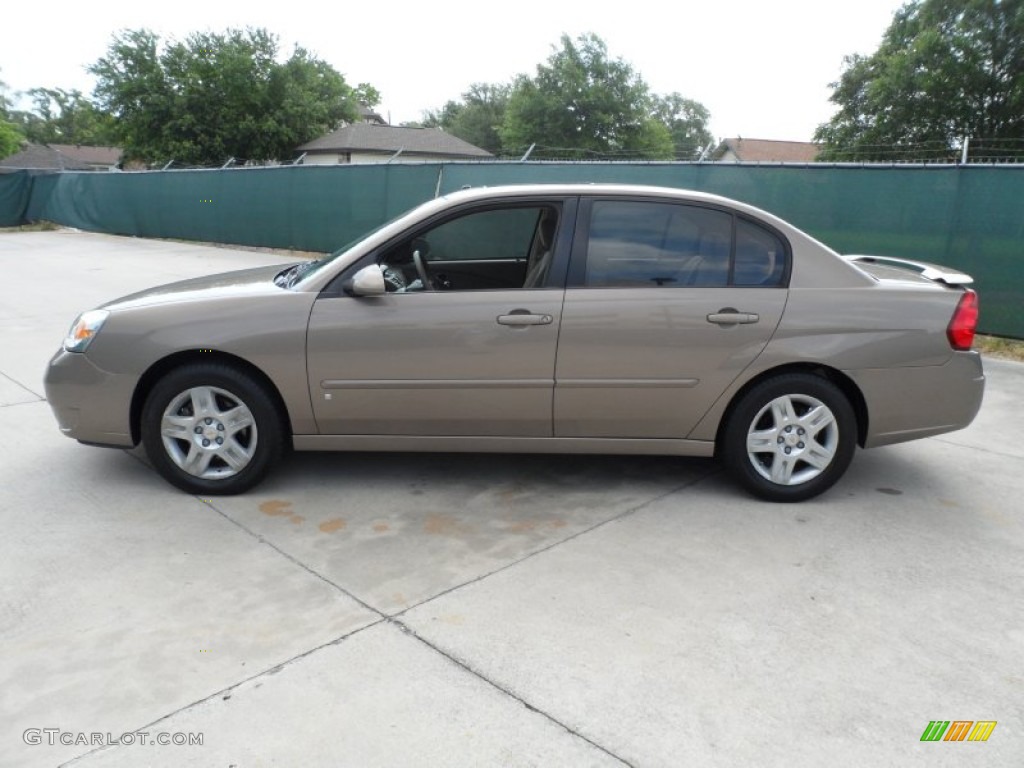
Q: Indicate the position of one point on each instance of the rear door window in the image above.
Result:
(637, 244)
(760, 256)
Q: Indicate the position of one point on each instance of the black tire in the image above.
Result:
(235, 457)
(792, 467)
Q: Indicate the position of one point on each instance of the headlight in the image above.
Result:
(84, 329)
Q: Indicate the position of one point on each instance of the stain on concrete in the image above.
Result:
(330, 526)
(276, 508)
(890, 491)
(508, 494)
(530, 525)
(521, 526)
(381, 527)
(296, 519)
(445, 525)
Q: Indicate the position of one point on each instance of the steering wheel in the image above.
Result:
(394, 280)
(421, 263)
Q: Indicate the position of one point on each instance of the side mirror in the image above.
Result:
(368, 281)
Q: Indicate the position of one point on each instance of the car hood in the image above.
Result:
(244, 282)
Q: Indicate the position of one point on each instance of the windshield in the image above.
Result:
(301, 271)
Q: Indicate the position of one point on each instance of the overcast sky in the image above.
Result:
(762, 67)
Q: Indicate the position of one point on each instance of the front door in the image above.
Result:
(463, 342)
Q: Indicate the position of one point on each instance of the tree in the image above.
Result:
(64, 117)
(10, 138)
(217, 95)
(476, 118)
(687, 122)
(584, 103)
(5, 102)
(945, 70)
(366, 94)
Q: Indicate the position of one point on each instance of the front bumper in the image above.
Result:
(90, 404)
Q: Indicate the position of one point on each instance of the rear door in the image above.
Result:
(667, 303)
(470, 350)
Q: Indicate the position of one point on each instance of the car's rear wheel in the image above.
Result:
(211, 429)
(790, 437)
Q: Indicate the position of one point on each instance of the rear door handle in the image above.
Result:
(730, 316)
(523, 317)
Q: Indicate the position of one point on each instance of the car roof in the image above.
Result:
(470, 194)
(505, 190)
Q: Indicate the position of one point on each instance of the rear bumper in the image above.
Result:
(90, 404)
(909, 403)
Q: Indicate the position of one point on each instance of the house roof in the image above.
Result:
(42, 157)
(768, 151)
(92, 155)
(368, 137)
(369, 115)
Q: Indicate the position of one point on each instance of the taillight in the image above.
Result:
(960, 330)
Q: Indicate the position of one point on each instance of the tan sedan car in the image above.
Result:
(536, 318)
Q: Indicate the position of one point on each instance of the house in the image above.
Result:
(98, 158)
(741, 150)
(62, 157)
(372, 142)
(368, 115)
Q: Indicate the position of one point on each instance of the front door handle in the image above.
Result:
(523, 317)
(731, 316)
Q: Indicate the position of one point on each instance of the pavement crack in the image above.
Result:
(976, 448)
(465, 667)
(292, 559)
(224, 691)
(395, 620)
(530, 555)
(27, 402)
(264, 540)
(22, 386)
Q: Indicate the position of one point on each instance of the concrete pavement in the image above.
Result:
(460, 610)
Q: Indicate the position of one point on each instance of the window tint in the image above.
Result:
(760, 256)
(491, 249)
(637, 244)
(488, 235)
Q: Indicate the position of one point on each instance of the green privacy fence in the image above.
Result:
(969, 217)
(15, 189)
(306, 207)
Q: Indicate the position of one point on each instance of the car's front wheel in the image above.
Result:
(211, 429)
(790, 437)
